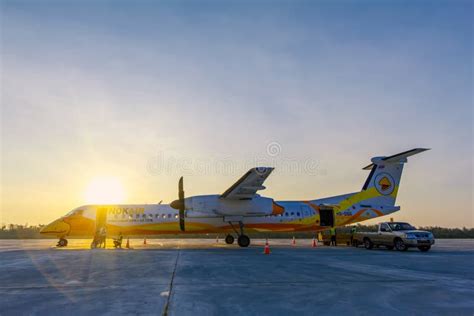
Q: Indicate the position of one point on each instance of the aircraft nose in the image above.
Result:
(58, 227)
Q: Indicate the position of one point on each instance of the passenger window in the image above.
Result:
(292, 213)
(157, 215)
(164, 215)
(169, 215)
(298, 214)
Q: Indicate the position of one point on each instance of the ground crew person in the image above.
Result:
(333, 236)
(118, 241)
(353, 231)
(103, 236)
(320, 236)
(95, 241)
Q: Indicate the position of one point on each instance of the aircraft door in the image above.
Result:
(326, 216)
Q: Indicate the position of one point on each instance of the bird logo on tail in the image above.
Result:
(384, 183)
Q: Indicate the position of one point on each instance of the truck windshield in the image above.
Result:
(401, 226)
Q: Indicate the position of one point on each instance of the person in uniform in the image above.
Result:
(118, 241)
(333, 236)
(353, 231)
(103, 235)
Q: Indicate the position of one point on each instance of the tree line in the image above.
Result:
(13, 231)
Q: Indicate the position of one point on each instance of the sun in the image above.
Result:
(104, 190)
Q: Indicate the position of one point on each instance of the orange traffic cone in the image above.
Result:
(294, 241)
(128, 243)
(266, 250)
(144, 241)
(315, 244)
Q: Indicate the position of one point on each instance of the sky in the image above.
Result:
(134, 94)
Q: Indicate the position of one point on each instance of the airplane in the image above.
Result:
(240, 209)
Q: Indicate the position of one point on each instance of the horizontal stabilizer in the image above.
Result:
(401, 157)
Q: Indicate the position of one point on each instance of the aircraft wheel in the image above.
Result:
(62, 242)
(229, 239)
(243, 241)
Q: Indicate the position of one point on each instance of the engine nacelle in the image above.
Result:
(215, 205)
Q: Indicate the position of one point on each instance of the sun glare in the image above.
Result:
(105, 190)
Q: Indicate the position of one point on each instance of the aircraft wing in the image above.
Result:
(248, 185)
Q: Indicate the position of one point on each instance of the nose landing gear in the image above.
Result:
(62, 242)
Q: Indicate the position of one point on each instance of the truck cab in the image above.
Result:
(398, 235)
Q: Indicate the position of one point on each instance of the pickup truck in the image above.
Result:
(396, 235)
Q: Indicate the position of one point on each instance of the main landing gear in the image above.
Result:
(229, 239)
(242, 239)
(62, 242)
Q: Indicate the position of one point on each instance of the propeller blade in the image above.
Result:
(181, 204)
(180, 189)
(181, 220)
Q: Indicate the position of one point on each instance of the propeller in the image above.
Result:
(179, 204)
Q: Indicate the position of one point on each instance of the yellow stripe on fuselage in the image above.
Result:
(361, 196)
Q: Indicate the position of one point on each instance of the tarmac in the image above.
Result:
(205, 277)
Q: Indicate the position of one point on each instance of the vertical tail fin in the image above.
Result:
(385, 174)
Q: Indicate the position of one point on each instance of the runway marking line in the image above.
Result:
(165, 310)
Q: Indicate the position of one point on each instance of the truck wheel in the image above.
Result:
(400, 245)
(424, 248)
(368, 244)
